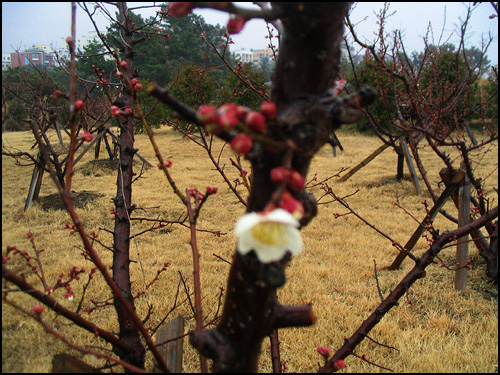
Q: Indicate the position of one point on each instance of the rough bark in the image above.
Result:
(129, 332)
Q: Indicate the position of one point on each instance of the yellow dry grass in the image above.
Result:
(442, 332)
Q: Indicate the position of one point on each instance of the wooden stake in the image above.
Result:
(411, 167)
(36, 181)
(450, 188)
(172, 351)
(463, 244)
(372, 156)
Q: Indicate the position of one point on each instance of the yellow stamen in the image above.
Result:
(269, 233)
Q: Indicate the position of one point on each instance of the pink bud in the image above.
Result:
(325, 352)
(279, 174)
(78, 105)
(180, 9)
(228, 120)
(292, 205)
(235, 24)
(123, 64)
(38, 309)
(69, 295)
(229, 107)
(86, 136)
(340, 364)
(137, 87)
(268, 109)
(256, 122)
(133, 81)
(242, 111)
(296, 181)
(211, 190)
(207, 114)
(241, 144)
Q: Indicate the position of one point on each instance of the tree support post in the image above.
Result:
(455, 181)
(464, 195)
(372, 156)
(411, 167)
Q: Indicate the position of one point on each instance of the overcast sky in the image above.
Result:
(28, 23)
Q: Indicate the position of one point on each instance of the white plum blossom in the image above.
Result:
(270, 234)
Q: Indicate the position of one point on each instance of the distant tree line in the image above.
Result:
(438, 68)
(179, 55)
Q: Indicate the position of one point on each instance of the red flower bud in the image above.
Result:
(123, 64)
(211, 190)
(256, 122)
(228, 120)
(296, 181)
(292, 205)
(133, 81)
(325, 352)
(340, 364)
(78, 105)
(235, 24)
(180, 9)
(241, 144)
(279, 174)
(86, 136)
(228, 107)
(268, 109)
(38, 309)
(137, 87)
(207, 114)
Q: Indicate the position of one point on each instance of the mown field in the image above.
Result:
(441, 331)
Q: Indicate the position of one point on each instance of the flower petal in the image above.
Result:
(269, 234)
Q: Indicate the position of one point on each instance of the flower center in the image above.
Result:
(269, 233)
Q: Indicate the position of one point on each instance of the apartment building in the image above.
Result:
(31, 56)
(254, 56)
(5, 60)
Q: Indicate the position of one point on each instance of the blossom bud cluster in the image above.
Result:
(168, 164)
(294, 182)
(100, 75)
(293, 179)
(230, 116)
(117, 112)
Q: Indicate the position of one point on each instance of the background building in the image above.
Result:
(256, 57)
(5, 60)
(32, 56)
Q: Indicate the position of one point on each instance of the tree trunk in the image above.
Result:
(129, 332)
(307, 66)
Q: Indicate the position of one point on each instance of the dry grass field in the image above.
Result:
(441, 332)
